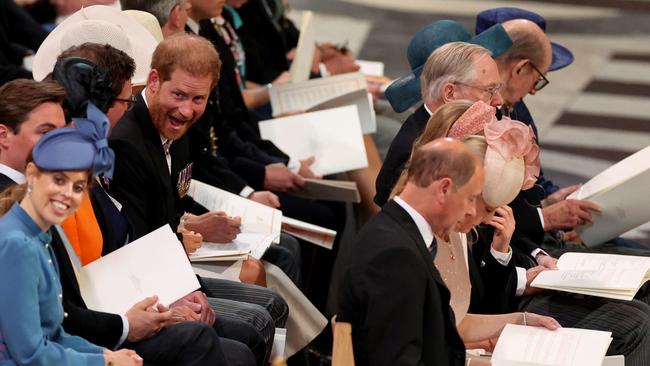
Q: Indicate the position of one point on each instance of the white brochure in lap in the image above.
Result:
(623, 192)
(521, 345)
(332, 136)
(256, 218)
(362, 100)
(155, 264)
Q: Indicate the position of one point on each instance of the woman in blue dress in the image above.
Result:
(31, 313)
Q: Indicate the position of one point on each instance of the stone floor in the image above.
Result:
(594, 113)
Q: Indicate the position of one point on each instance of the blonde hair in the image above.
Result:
(438, 126)
(11, 195)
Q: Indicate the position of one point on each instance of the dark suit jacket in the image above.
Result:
(100, 328)
(395, 298)
(399, 153)
(233, 113)
(141, 180)
(263, 41)
(19, 33)
(5, 182)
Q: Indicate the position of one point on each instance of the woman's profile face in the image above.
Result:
(483, 214)
(54, 195)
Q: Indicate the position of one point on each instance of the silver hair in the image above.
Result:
(158, 8)
(452, 62)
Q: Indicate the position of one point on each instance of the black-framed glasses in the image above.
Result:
(542, 81)
(129, 102)
(492, 90)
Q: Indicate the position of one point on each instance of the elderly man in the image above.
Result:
(392, 261)
(454, 71)
(523, 68)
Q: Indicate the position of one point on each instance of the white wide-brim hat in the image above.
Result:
(98, 24)
(503, 178)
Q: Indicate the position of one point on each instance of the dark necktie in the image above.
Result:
(433, 248)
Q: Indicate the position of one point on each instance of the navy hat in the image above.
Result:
(405, 91)
(562, 57)
(79, 148)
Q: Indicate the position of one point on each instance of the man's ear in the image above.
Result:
(4, 134)
(153, 81)
(447, 93)
(518, 67)
(174, 18)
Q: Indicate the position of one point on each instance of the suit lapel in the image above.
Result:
(406, 222)
(154, 147)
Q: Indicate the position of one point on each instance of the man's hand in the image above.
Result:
(278, 177)
(198, 302)
(215, 226)
(341, 63)
(266, 198)
(546, 261)
(531, 274)
(560, 195)
(123, 357)
(144, 320)
(191, 240)
(305, 168)
(568, 214)
(503, 222)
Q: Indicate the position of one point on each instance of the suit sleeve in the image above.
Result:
(131, 191)
(394, 300)
(102, 329)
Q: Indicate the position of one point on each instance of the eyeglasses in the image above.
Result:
(129, 102)
(542, 81)
(492, 90)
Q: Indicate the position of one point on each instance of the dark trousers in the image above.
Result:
(189, 344)
(237, 333)
(286, 256)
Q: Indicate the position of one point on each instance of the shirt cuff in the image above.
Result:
(538, 251)
(294, 165)
(323, 70)
(502, 258)
(125, 331)
(541, 216)
(247, 191)
(521, 281)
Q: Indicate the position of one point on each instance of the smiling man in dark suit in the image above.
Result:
(391, 292)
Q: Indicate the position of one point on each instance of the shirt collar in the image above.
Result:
(423, 226)
(30, 227)
(194, 25)
(13, 174)
(427, 109)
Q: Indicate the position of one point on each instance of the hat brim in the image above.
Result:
(142, 42)
(562, 57)
(406, 91)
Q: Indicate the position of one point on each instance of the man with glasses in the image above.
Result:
(454, 71)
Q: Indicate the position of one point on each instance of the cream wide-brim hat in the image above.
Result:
(503, 179)
(98, 24)
(148, 21)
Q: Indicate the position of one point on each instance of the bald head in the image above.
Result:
(528, 42)
(441, 158)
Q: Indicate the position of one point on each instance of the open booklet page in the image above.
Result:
(312, 233)
(329, 190)
(255, 217)
(155, 264)
(300, 97)
(332, 136)
(362, 100)
(622, 191)
(605, 275)
(245, 243)
(301, 64)
(521, 345)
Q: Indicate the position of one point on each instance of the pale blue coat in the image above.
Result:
(31, 312)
